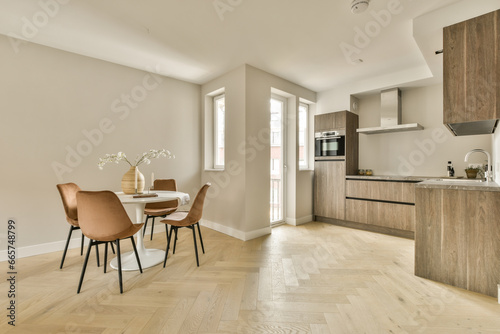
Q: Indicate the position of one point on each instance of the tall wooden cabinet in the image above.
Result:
(330, 172)
(471, 70)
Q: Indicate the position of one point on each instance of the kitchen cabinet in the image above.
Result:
(395, 191)
(471, 70)
(386, 206)
(388, 215)
(457, 238)
(329, 188)
(330, 121)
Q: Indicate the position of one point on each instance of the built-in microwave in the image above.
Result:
(329, 143)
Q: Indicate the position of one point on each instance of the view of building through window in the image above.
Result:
(219, 130)
(302, 135)
(277, 111)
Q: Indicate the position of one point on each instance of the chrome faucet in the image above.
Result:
(487, 174)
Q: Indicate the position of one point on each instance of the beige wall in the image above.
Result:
(419, 153)
(49, 98)
(239, 200)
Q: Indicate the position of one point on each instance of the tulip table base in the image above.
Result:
(149, 257)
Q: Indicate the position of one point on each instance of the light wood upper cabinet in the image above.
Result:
(330, 121)
(329, 189)
(471, 70)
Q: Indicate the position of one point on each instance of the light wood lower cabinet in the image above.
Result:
(391, 215)
(457, 238)
(388, 204)
(381, 190)
(329, 189)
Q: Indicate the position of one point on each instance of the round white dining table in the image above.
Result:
(148, 257)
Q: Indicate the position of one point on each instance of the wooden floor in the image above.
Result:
(315, 278)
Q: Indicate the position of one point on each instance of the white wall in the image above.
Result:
(49, 97)
(417, 153)
(239, 198)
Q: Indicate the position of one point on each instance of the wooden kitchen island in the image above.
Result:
(457, 236)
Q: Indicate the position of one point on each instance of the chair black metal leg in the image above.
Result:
(175, 240)
(136, 254)
(145, 225)
(112, 247)
(84, 266)
(81, 247)
(105, 256)
(201, 239)
(166, 230)
(119, 258)
(195, 246)
(168, 246)
(71, 228)
(97, 254)
(152, 228)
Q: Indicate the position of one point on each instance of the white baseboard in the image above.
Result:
(49, 247)
(58, 246)
(299, 221)
(245, 236)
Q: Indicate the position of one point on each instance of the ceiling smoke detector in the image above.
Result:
(359, 6)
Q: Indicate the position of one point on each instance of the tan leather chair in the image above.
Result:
(187, 219)
(103, 219)
(68, 195)
(161, 209)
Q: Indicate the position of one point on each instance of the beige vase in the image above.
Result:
(128, 181)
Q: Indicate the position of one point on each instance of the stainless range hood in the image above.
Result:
(473, 128)
(390, 115)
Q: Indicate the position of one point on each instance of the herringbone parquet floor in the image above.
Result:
(315, 278)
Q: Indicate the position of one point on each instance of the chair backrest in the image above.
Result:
(196, 210)
(164, 184)
(68, 195)
(102, 216)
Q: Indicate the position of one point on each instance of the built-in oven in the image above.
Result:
(329, 143)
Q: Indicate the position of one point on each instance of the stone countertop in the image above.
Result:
(388, 177)
(463, 184)
(433, 182)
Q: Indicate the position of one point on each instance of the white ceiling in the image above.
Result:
(299, 40)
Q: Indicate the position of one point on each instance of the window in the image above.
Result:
(219, 130)
(303, 135)
(275, 166)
